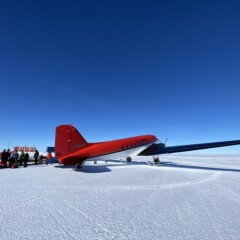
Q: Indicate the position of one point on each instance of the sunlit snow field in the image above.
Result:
(187, 197)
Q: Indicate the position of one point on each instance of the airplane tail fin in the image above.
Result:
(67, 140)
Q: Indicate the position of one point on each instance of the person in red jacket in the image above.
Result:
(49, 155)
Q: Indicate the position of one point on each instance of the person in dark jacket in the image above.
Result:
(14, 159)
(21, 158)
(8, 157)
(36, 154)
(25, 159)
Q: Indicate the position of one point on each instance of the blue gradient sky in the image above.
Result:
(116, 69)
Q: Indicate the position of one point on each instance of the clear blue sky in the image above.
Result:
(117, 69)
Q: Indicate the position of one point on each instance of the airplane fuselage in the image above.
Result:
(110, 150)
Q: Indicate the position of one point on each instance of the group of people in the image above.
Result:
(14, 159)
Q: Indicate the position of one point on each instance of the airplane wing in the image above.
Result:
(156, 149)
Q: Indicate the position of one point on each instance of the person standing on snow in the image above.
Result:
(13, 159)
(25, 159)
(4, 158)
(36, 154)
(21, 158)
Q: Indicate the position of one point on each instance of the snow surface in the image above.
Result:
(188, 197)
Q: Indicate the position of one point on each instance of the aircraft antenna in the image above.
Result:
(9, 141)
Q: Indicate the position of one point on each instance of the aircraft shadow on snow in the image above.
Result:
(176, 165)
(86, 168)
(105, 168)
(101, 168)
(98, 168)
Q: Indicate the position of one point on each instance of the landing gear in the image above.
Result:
(156, 160)
(123, 160)
(79, 166)
(129, 159)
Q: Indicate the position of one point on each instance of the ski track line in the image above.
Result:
(103, 222)
(210, 178)
(59, 224)
(145, 206)
(118, 204)
(164, 186)
(113, 236)
(233, 195)
(211, 165)
(215, 227)
(21, 194)
(33, 198)
(194, 182)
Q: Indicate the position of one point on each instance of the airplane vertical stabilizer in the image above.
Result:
(67, 140)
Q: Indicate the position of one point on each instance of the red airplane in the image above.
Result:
(71, 148)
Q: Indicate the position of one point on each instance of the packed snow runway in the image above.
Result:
(188, 197)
